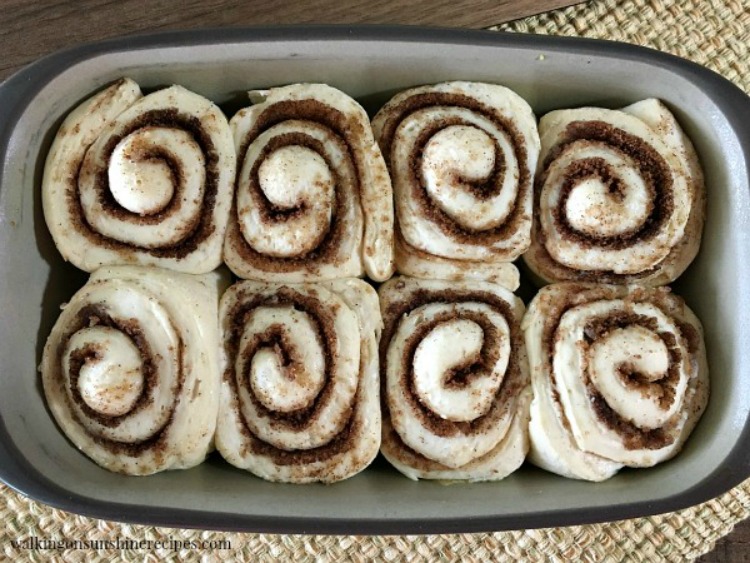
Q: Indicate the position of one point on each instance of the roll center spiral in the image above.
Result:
(445, 350)
(460, 147)
(455, 375)
(293, 174)
(607, 198)
(287, 369)
(110, 379)
(606, 208)
(624, 365)
(300, 189)
(140, 179)
(457, 163)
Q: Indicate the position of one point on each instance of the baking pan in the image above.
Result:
(370, 63)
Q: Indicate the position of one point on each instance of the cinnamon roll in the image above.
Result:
(619, 197)
(619, 377)
(300, 396)
(314, 200)
(131, 368)
(462, 157)
(141, 180)
(455, 379)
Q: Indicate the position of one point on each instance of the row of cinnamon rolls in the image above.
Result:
(301, 186)
(148, 370)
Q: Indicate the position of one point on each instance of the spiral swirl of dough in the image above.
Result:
(141, 180)
(300, 396)
(130, 369)
(313, 195)
(462, 157)
(455, 379)
(619, 377)
(619, 197)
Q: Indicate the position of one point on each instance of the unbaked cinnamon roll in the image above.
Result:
(131, 368)
(619, 197)
(300, 396)
(314, 200)
(462, 157)
(619, 377)
(455, 379)
(141, 180)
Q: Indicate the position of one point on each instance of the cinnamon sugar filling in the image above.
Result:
(654, 171)
(190, 237)
(481, 189)
(664, 390)
(506, 394)
(342, 128)
(301, 418)
(326, 245)
(97, 315)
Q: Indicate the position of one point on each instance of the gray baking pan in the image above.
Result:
(370, 63)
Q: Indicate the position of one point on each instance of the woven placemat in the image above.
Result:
(714, 33)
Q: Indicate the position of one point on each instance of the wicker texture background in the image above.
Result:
(715, 33)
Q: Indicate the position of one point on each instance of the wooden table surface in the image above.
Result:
(29, 30)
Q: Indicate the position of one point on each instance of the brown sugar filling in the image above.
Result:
(664, 389)
(508, 391)
(633, 436)
(97, 315)
(340, 128)
(598, 168)
(483, 189)
(300, 419)
(657, 177)
(325, 247)
(153, 154)
(194, 234)
(276, 337)
(487, 357)
(692, 337)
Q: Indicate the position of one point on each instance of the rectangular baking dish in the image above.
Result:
(371, 64)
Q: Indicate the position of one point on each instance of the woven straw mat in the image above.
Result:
(714, 33)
